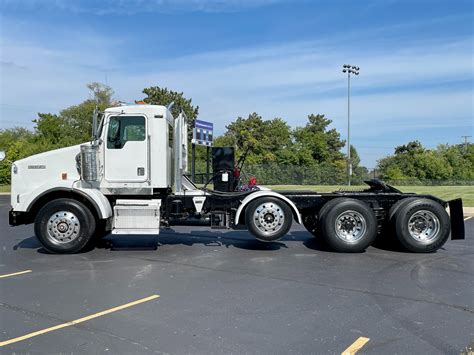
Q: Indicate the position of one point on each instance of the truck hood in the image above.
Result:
(32, 172)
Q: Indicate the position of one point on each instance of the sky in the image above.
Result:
(279, 58)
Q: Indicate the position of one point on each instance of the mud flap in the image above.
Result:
(457, 219)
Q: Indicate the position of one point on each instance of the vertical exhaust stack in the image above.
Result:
(180, 150)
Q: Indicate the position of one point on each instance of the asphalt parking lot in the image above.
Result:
(193, 291)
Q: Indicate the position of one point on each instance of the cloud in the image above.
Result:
(8, 64)
(404, 90)
(297, 78)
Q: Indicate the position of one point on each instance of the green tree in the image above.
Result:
(262, 140)
(10, 135)
(101, 94)
(72, 125)
(413, 162)
(359, 173)
(355, 159)
(460, 160)
(51, 128)
(324, 144)
(163, 96)
(17, 143)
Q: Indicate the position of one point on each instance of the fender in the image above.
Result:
(98, 199)
(267, 193)
(95, 197)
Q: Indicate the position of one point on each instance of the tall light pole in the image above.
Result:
(349, 69)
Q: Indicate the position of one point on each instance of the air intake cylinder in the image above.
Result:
(90, 162)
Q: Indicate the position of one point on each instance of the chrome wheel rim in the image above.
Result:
(423, 226)
(269, 218)
(63, 227)
(350, 226)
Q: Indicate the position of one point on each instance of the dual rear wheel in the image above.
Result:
(348, 225)
(420, 225)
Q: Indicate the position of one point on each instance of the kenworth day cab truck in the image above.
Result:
(131, 179)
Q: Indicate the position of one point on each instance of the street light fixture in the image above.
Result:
(349, 69)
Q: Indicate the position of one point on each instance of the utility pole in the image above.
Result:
(349, 69)
(465, 142)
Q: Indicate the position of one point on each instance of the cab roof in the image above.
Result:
(152, 111)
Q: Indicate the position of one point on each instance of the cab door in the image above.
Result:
(126, 149)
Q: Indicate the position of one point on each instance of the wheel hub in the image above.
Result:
(420, 225)
(350, 226)
(63, 227)
(269, 218)
(423, 226)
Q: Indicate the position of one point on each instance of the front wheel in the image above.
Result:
(64, 226)
(268, 218)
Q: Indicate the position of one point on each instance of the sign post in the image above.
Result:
(203, 134)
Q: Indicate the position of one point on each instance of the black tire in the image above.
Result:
(75, 218)
(394, 209)
(361, 225)
(312, 221)
(387, 238)
(432, 230)
(279, 214)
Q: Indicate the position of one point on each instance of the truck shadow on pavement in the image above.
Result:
(236, 239)
(28, 243)
(171, 237)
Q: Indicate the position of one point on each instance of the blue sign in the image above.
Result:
(203, 133)
(204, 125)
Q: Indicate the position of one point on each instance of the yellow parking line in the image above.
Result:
(15, 273)
(77, 321)
(355, 346)
(467, 218)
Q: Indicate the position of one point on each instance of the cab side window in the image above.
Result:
(123, 129)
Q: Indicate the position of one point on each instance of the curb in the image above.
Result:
(468, 211)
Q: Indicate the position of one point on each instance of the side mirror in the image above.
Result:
(2, 155)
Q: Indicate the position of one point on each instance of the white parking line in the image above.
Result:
(15, 273)
(77, 321)
(355, 346)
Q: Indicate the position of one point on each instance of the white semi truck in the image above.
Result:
(131, 179)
